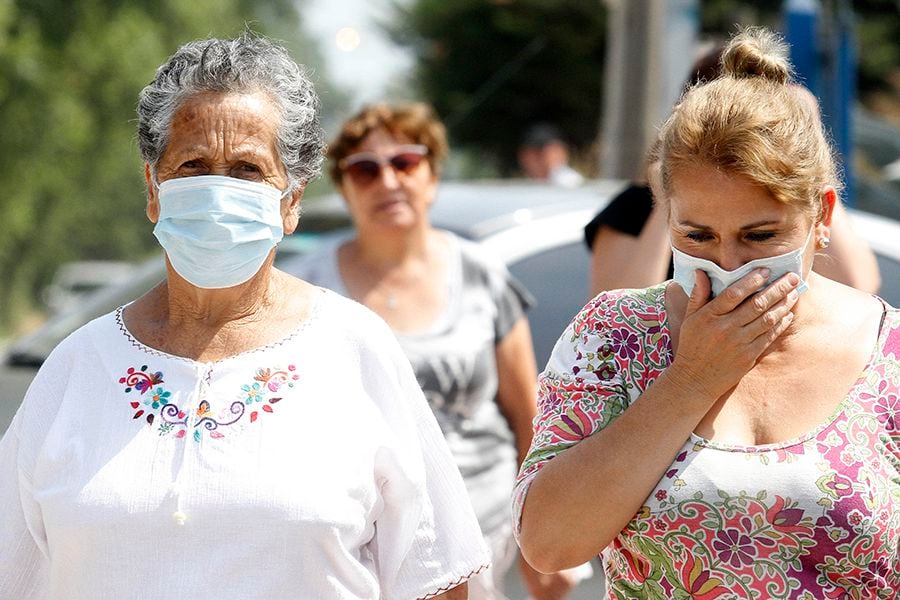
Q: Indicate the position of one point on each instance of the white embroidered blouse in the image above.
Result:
(308, 468)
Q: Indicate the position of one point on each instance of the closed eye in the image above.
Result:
(760, 236)
(698, 236)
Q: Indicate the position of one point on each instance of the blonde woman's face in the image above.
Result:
(730, 220)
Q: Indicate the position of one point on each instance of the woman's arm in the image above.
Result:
(848, 259)
(581, 499)
(516, 389)
(23, 565)
(620, 260)
(517, 398)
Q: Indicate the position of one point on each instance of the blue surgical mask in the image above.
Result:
(218, 231)
(684, 266)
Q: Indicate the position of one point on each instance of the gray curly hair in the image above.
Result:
(248, 63)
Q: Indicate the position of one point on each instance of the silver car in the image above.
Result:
(536, 229)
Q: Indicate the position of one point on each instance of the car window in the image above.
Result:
(558, 279)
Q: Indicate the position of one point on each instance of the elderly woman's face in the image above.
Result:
(730, 220)
(397, 197)
(232, 135)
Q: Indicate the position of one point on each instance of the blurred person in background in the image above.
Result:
(734, 432)
(459, 315)
(236, 432)
(629, 240)
(544, 156)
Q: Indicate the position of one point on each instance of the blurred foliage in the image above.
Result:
(70, 170)
(492, 67)
(877, 30)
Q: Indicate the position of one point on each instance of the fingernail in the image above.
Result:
(793, 278)
(793, 295)
(764, 271)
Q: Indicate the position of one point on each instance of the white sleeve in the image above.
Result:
(24, 562)
(427, 538)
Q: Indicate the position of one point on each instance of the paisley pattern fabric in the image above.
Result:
(810, 518)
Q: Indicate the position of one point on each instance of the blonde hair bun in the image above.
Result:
(757, 52)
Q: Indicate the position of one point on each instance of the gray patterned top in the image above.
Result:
(455, 363)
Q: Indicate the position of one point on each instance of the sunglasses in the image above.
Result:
(365, 167)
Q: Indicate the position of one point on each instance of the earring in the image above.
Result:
(823, 243)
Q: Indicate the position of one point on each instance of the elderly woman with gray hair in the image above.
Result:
(236, 432)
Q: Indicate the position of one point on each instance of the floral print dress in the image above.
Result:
(810, 518)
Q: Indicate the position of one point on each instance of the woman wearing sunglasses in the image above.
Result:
(459, 316)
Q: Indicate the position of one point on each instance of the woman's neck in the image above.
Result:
(191, 306)
(384, 252)
(208, 325)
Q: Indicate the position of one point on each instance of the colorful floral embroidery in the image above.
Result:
(140, 380)
(816, 517)
(265, 381)
(158, 406)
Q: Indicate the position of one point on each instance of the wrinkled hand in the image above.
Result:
(553, 586)
(721, 339)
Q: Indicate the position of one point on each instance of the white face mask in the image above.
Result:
(684, 266)
(218, 231)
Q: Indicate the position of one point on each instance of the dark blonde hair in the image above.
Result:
(753, 121)
(415, 122)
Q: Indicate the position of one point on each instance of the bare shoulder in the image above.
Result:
(848, 313)
(844, 301)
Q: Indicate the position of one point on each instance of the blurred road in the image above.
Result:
(590, 589)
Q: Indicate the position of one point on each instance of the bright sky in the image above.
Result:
(359, 57)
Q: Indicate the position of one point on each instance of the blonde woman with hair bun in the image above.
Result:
(628, 239)
(733, 432)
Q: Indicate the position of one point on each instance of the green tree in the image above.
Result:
(877, 31)
(492, 68)
(70, 170)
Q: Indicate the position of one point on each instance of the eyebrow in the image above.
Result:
(753, 225)
(248, 155)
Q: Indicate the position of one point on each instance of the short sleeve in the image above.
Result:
(613, 349)
(512, 301)
(510, 298)
(427, 538)
(627, 212)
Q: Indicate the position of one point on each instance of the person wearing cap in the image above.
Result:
(544, 156)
